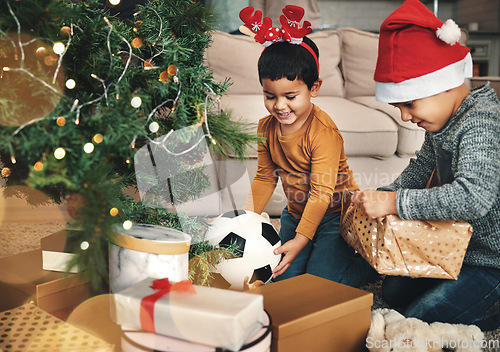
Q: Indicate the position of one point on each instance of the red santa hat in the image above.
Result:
(418, 55)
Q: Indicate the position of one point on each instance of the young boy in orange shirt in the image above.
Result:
(421, 70)
(303, 147)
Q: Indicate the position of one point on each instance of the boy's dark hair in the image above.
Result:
(291, 61)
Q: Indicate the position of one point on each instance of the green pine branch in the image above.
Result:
(158, 57)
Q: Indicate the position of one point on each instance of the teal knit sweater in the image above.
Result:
(471, 139)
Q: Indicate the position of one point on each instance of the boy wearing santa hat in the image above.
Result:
(421, 70)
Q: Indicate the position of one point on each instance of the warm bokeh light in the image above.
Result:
(51, 60)
(6, 172)
(61, 121)
(84, 245)
(127, 225)
(26, 82)
(154, 126)
(136, 102)
(41, 52)
(93, 316)
(59, 153)
(58, 48)
(88, 148)
(98, 138)
(70, 84)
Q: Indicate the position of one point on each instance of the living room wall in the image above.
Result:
(369, 14)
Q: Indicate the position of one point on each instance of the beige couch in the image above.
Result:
(377, 142)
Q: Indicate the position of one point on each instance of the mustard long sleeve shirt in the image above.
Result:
(311, 164)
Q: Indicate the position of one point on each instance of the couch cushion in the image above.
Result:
(359, 58)
(236, 57)
(410, 136)
(328, 43)
(248, 108)
(366, 132)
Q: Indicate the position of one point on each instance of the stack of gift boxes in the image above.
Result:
(165, 312)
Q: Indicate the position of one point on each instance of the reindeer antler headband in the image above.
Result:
(264, 32)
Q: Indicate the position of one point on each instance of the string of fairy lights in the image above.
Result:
(60, 49)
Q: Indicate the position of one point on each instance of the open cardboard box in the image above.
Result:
(310, 313)
(23, 280)
(56, 253)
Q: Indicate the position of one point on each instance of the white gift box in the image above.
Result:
(147, 251)
(211, 316)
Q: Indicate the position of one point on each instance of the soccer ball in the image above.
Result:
(255, 237)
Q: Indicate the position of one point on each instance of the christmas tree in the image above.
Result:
(81, 91)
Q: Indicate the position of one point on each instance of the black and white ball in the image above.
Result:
(255, 237)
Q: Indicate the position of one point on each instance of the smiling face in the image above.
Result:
(432, 113)
(289, 101)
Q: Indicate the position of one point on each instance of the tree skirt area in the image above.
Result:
(19, 237)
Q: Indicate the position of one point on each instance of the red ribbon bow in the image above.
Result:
(148, 303)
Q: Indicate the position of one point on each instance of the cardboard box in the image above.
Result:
(23, 280)
(28, 328)
(56, 253)
(310, 313)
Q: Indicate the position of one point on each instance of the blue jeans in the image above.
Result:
(327, 255)
(474, 298)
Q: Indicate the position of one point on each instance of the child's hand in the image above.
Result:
(291, 249)
(376, 203)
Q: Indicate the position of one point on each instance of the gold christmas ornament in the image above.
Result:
(113, 212)
(6, 172)
(66, 31)
(136, 26)
(98, 138)
(149, 64)
(164, 77)
(51, 60)
(38, 166)
(61, 121)
(41, 52)
(137, 43)
(172, 70)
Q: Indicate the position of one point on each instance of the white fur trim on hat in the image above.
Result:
(427, 85)
(449, 32)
